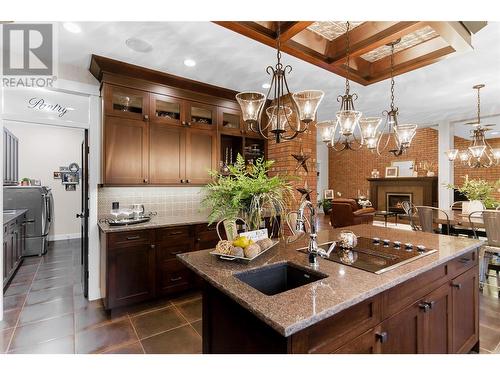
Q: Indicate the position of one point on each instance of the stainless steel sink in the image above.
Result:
(278, 278)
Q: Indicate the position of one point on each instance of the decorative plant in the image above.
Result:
(326, 204)
(247, 192)
(478, 189)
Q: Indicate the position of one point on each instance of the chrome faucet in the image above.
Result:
(312, 248)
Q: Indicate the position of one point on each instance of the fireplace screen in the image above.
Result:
(393, 201)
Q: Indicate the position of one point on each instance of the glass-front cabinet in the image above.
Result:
(166, 109)
(230, 121)
(201, 116)
(125, 102)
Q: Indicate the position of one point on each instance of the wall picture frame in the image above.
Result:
(57, 175)
(328, 194)
(391, 172)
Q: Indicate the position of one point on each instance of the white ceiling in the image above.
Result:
(426, 96)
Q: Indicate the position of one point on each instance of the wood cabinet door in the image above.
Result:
(201, 116)
(366, 343)
(403, 332)
(125, 102)
(438, 322)
(465, 312)
(230, 121)
(5, 255)
(131, 274)
(167, 154)
(167, 110)
(125, 151)
(201, 155)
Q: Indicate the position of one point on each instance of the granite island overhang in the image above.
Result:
(328, 314)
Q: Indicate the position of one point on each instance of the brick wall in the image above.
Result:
(491, 174)
(349, 170)
(285, 164)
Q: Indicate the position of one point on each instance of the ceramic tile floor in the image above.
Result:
(45, 312)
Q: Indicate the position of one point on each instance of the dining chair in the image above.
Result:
(410, 212)
(426, 215)
(291, 221)
(457, 205)
(491, 249)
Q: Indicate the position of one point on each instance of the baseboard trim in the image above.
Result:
(68, 236)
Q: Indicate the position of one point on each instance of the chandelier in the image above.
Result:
(479, 154)
(341, 134)
(402, 134)
(281, 120)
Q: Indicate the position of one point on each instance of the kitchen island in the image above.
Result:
(428, 305)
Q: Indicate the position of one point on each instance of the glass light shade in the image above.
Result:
(464, 156)
(307, 102)
(278, 117)
(477, 151)
(251, 104)
(405, 134)
(496, 153)
(452, 154)
(371, 142)
(347, 121)
(369, 127)
(326, 130)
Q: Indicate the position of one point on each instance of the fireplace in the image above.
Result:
(393, 201)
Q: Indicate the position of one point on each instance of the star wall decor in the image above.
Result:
(305, 191)
(301, 160)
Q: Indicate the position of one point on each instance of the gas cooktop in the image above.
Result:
(376, 255)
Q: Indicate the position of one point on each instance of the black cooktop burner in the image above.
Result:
(377, 256)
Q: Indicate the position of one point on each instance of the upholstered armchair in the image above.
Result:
(346, 212)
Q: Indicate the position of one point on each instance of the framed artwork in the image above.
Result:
(328, 194)
(391, 172)
(405, 168)
(57, 175)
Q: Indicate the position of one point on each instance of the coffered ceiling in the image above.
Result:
(323, 43)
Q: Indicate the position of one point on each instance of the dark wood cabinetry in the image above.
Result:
(141, 265)
(160, 129)
(434, 313)
(14, 234)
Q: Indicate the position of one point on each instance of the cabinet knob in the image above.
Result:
(189, 123)
(425, 306)
(187, 181)
(182, 181)
(145, 180)
(382, 337)
(146, 117)
(153, 246)
(456, 285)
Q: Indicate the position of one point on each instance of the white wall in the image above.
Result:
(322, 159)
(42, 150)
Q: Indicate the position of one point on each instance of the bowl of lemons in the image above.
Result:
(242, 248)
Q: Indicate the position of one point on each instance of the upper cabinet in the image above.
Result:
(125, 102)
(160, 129)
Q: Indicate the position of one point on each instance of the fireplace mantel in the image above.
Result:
(423, 189)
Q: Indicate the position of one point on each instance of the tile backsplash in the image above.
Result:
(166, 201)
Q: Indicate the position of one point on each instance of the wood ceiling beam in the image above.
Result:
(369, 36)
(455, 34)
(293, 29)
(411, 58)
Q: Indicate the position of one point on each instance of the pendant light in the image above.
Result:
(401, 134)
(341, 134)
(479, 154)
(285, 119)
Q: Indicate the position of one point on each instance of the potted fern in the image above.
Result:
(478, 192)
(247, 192)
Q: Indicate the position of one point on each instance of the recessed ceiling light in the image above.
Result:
(72, 27)
(138, 45)
(189, 62)
(494, 133)
(266, 85)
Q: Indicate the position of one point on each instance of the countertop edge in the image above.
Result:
(14, 216)
(307, 322)
(105, 228)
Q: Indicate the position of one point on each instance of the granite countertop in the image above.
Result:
(156, 222)
(9, 215)
(296, 309)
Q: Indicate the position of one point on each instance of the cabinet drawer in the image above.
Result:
(173, 277)
(329, 335)
(463, 263)
(132, 238)
(405, 294)
(165, 235)
(165, 252)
